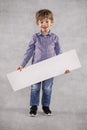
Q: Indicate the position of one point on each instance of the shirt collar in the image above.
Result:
(40, 33)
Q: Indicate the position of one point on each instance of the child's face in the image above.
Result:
(45, 24)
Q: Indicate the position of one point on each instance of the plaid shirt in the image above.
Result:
(41, 47)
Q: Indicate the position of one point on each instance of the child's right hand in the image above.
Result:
(20, 68)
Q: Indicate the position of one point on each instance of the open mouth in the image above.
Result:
(44, 27)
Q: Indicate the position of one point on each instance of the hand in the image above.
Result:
(67, 71)
(20, 68)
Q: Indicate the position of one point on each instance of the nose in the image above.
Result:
(44, 24)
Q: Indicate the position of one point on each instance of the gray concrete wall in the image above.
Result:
(69, 98)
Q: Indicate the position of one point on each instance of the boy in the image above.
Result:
(43, 45)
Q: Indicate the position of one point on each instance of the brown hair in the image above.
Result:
(44, 13)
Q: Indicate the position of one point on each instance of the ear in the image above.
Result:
(51, 22)
(37, 22)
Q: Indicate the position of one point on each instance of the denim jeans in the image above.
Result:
(46, 92)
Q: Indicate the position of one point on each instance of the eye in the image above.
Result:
(46, 21)
(41, 22)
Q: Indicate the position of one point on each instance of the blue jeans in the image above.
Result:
(46, 92)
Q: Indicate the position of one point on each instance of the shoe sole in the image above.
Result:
(32, 115)
(49, 114)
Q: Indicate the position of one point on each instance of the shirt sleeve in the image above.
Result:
(58, 49)
(29, 52)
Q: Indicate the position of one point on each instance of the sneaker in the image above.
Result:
(47, 110)
(33, 111)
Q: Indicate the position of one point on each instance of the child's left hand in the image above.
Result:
(67, 71)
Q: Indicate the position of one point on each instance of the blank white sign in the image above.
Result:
(43, 70)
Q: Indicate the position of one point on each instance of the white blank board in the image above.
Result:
(43, 70)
